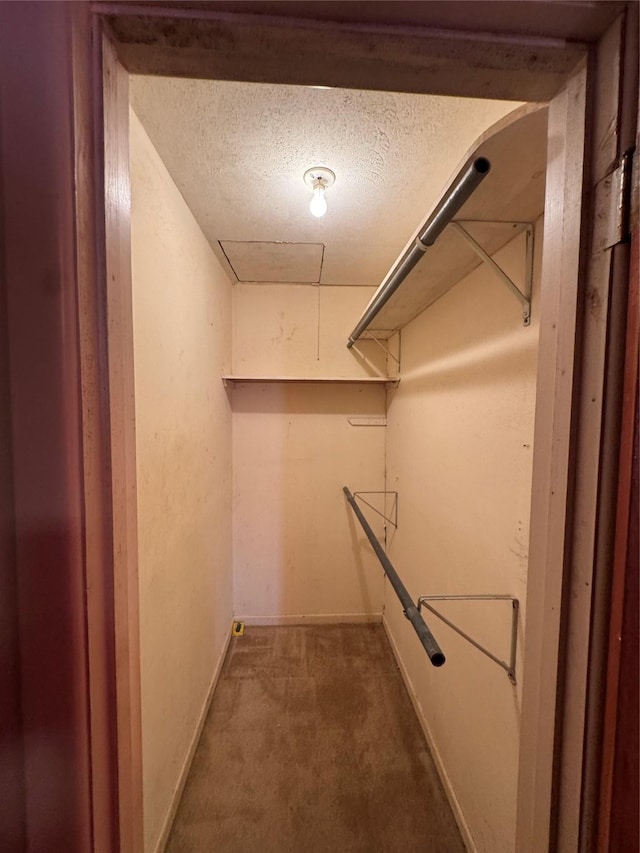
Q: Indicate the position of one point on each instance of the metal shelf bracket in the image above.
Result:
(393, 519)
(370, 336)
(510, 668)
(523, 298)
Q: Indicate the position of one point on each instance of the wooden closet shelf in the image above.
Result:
(317, 380)
(507, 203)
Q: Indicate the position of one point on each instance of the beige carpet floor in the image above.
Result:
(312, 745)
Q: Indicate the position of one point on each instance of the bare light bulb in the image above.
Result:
(318, 203)
(318, 179)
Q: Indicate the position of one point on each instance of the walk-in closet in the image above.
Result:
(308, 388)
(319, 382)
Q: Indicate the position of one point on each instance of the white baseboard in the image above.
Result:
(314, 619)
(463, 826)
(182, 779)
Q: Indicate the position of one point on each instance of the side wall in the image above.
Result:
(298, 550)
(459, 452)
(182, 341)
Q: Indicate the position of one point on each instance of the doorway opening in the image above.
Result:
(553, 438)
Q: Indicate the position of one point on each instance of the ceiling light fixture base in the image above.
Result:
(319, 175)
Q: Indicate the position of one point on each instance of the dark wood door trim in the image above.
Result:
(618, 818)
(40, 276)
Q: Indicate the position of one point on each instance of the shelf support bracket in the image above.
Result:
(510, 668)
(393, 519)
(523, 298)
(369, 336)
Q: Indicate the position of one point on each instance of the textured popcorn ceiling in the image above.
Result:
(238, 151)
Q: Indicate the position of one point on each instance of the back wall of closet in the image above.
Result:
(297, 551)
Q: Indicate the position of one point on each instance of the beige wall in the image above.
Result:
(182, 310)
(459, 451)
(301, 330)
(297, 551)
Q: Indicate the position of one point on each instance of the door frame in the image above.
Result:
(576, 348)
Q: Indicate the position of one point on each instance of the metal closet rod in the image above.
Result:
(412, 613)
(461, 188)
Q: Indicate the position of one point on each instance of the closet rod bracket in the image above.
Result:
(371, 336)
(390, 519)
(510, 668)
(485, 257)
(368, 335)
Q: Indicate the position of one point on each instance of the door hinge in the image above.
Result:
(615, 196)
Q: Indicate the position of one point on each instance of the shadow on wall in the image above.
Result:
(299, 399)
